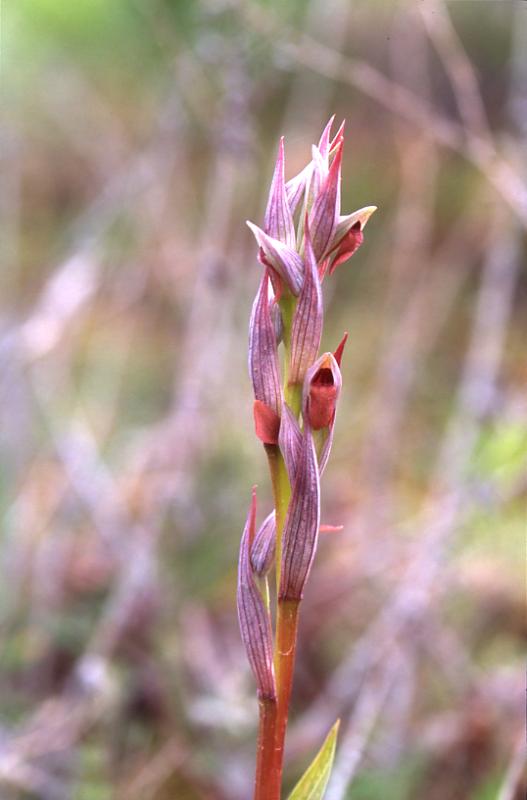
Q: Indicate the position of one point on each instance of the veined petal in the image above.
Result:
(302, 523)
(317, 179)
(326, 207)
(290, 441)
(263, 547)
(280, 257)
(296, 187)
(338, 139)
(319, 175)
(254, 619)
(323, 144)
(263, 353)
(278, 216)
(306, 330)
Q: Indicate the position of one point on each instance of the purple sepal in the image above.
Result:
(263, 548)
(302, 523)
(281, 258)
(306, 330)
(290, 441)
(254, 619)
(278, 216)
(263, 354)
(326, 208)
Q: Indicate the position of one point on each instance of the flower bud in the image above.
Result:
(263, 547)
(253, 616)
(278, 323)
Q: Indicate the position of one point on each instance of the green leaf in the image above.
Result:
(313, 782)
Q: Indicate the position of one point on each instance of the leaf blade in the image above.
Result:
(314, 781)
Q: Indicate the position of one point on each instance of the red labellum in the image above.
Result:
(347, 246)
(322, 399)
(266, 423)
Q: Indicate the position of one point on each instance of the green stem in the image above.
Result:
(281, 494)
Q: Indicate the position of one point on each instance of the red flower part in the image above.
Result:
(340, 349)
(347, 237)
(322, 386)
(326, 206)
(266, 423)
(254, 619)
(264, 367)
(280, 257)
(278, 217)
(290, 441)
(263, 546)
(302, 522)
(306, 329)
(347, 247)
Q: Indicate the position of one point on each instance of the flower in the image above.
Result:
(253, 616)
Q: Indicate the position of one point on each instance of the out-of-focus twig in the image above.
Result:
(459, 68)
(502, 175)
(444, 515)
(515, 775)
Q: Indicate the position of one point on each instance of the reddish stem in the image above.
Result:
(285, 651)
(268, 777)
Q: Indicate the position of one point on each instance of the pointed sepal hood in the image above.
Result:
(306, 330)
(280, 257)
(278, 216)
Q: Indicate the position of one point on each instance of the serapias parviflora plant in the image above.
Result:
(296, 392)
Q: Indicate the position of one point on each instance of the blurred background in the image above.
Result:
(138, 136)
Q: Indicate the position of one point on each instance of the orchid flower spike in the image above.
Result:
(304, 237)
